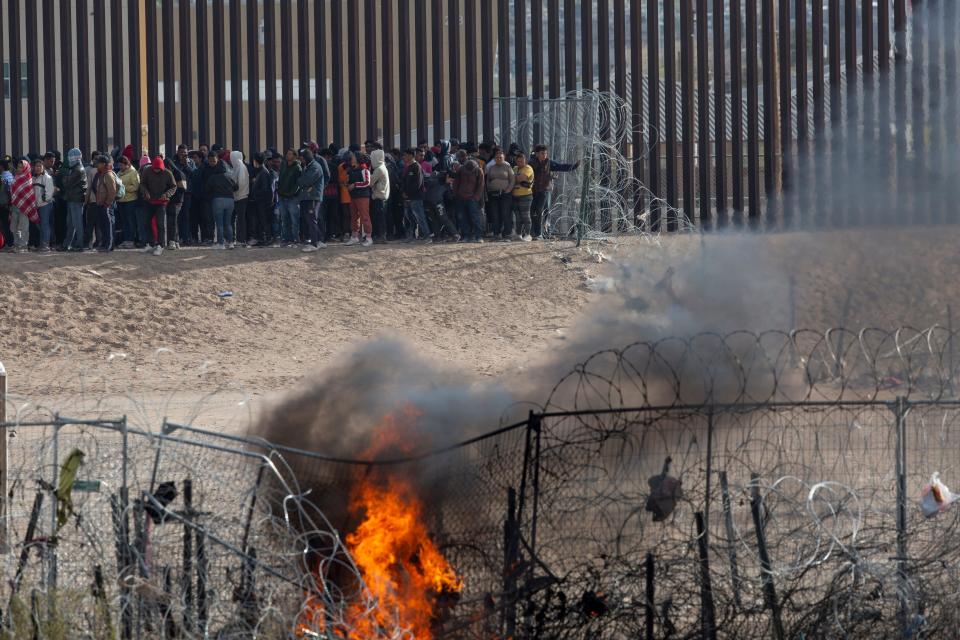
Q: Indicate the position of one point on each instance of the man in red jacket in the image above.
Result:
(157, 186)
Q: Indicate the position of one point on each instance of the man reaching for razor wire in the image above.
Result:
(543, 170)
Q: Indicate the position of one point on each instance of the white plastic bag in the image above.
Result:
(936, 497)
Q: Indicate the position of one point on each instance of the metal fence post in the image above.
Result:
(766, 569)
(900, 409)
(4, 463)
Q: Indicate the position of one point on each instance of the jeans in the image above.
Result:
(46, 225)
(289, 219)
(223, 218)
(521, 209)
(311, 214)
(127, 219)
(103, 218)
(20, 226)
(145, 215)
(74, 237)
(167, 224)
(537, 209)
(416, 218)
(471, 223)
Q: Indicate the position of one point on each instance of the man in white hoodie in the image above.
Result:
(380, 184)
(241, 177)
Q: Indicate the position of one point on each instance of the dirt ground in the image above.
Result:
(150, 336)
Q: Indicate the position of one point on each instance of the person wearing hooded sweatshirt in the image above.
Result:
(380, 189)
(312, 182)
(468, 188)
(186, 166)
(43, 189)
(157, 186)
(219, 190)
(360, 192)
(289, 193)
(241, 176)
(74, 188)
(104, 193)
(127, 205)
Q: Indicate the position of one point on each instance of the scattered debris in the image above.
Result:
(95, 273)
(936, 497)
(225, 294)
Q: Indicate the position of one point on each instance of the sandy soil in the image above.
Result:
(135, 334)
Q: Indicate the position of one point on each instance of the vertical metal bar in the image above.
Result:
(153, 100)
(51, 581)
(636, 103)
(219, 73)
(784, 54)
(186, 584)
(833, 16)
(203, 566)
(670, 80)
(337, 45)
(816, 43)
(708, 615)
(753, 116)
(353, 69)
(236, 79)
(116, 69)
(770, 129)
(83, 82)
(508, 619)
(33, 80)
(320, 64)
(436, 85)
(454, 19)
(286, 72)
(536, 48)
(16, 96)
(766, 572)
(850, 40)
(883, 34)
(186, 76)
(553, 46)
(3, 97)
(486, 66)
(387, 62)
(603, 45)
(687, 47)
(503, 71)
(203, 71)
(703, 112)
(867, 36)
(654, 132)
(586, 45)
(736, 107)
(470, 67)
(420, 24)
(270, 71)
(66, 50)
(731, 538)
(620, 58)
(169, 80)
(304, 44)
(649, 612)
(570, 45)
(900, 29)
(804, 149)
(403, 11)
(537, 426)
(901, 409)
(520, 48)
(719, 112)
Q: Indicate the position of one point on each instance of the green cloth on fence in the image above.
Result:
(64, 492)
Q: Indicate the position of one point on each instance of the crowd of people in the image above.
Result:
(306, 197)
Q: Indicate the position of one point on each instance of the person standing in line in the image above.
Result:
(254, 235)
(241, 176)
(175, 205)
(312, 182)
(289, 194)
(500, 182)
(522, 196)
(157, 187)
(23, 206)
(53, 166)
(543, 170)
(187, 167)
(43, 190)
(359, 177)
(90, 229)
(331, 196)
(219, 191)
(412, 181)
(262, 194)
(380, 190)
(75, 186)
(127, 205)
(104, 190)
(468, 189)
(343, 180)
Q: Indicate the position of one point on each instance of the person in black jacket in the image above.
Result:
(187, 167)
(254, 236)
(412, 187)
(218, 189)
(264, 195)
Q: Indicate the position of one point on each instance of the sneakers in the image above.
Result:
(427, 241)
(158, 250)
(148, 248)
(219, 247)
(232, 245)
(353, 241)
(309, 249)
(367, 242)
(172, 246)
(252, 243)
(526, 238)
(275, 244)
(126, 245)
(346, 238)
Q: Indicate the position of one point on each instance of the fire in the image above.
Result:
(402, 568)
(406, 579)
